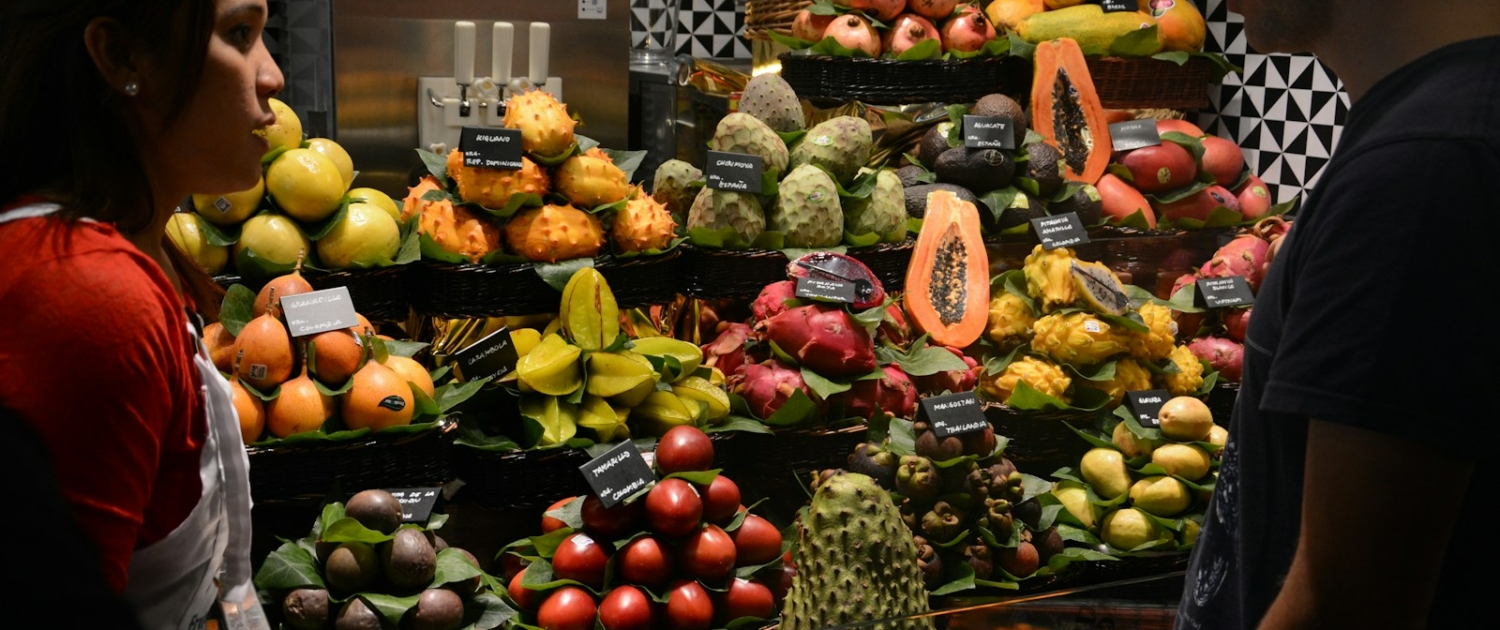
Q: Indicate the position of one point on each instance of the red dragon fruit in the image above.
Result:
(1222, 354)
(772, 300)
(894, 329)
(953, 380)
(727, 351)
(767, 386)
(825, 339)
(1243, 256)
(894, 395)
(1236, 322)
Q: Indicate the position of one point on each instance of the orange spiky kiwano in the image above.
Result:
(458, 231)
(552, 233)
(492, 188)
(644, 223)
(589, 181)
(546, 129)
(414, 204)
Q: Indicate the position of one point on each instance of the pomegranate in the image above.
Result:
(853, 31)
(935, 10)
(909, 30)
(809, 26)
(883, 10)
(968, 31)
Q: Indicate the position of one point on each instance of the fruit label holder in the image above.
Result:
(989, 132)
(1063, 230)
(954, 414)
(1134, 134)
(825, 290)
(493, 356)
(736, 172)
(416, 503)
(319, 311)
(618, 474)
(1224, 292)
(1146, 405)
(1117, 6)
(486, 147)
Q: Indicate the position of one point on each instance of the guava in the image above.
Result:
(305, 184)
(337, 155)
(232, 208)
(286, 131)
(272, 242)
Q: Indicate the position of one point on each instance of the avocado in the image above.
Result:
(436, 609)
(1022, 209)
(306, 609)
(357, 615)
(408, 560)
(375, 509)
(1044, 164)
(470, 587)
(979, 170)
(909, 174)
(1085, 201)
(1002, 105)
(352, 567)
(916, 197)
(934, 143)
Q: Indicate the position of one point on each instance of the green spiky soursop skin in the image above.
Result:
(807, 209)
(717, 209)
(742, 133)
(673, 185)
(856, 561)
(771, 99)
(841, 145)
(883, 212)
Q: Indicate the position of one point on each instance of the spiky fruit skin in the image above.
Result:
(589, 181)
(457, 230)
(825, 339)
(644, 223)
(854, 543)
(883, 212)
(1049, 277)
(492, 188)
(552, 233)
(807, 209)
(546, 129)
(717, 209)
(1246, 255)
(841, 145)
(1079, 339)
(1039, 374)
(771, 99)
(1130, 376)
(673, 185)
(772, 300)
(1161, 335)
(414, 203)
(1189, 378)
(766, 386)
(742, 133)
(1011, 319)
(1224, 355)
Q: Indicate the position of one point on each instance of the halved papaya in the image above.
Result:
(948, 280)
(1066, 111)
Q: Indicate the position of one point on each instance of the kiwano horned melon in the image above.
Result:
(492, 188)
(644, 223)
(552, 233)
(856, 561)
(546, 129)
(458, 231)
(948, 280)
(1066, 111)
(589, 181)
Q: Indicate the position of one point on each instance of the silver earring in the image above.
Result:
(132, 88)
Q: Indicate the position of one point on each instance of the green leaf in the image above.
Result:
(1020, 47)
(699, 477)
(1077, 534)
(263, 396)
(391, 607)
(547, 544)
(791, 138)
(453, 566)
(738, 423)
(903, 437)
(584, 143)
(922, 51)
(287, 568)
(932, 360)
(1178, 57)
(963, 582)
(487, 611)
(824, 7)
(453, 394)
(406, 349)
(789, 41)
(861, 240)
(331, 513)
(437, 165)
(423, 404)
(554, 160)
(316, 231)
(821, 386)
(1093, 440)
(797, 409)
(724, 238)
(956, 130)
(1026, 398)
(349, 530)
(993, 48)
(430, 250)
(830, 46)
(324, 389)
(627, 161)
(221, 235)
(1137, 43)
(270, 156)
(558, 274)
(237, 308)
(1193, 145)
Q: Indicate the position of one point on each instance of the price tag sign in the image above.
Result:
(1146, 404)
(736, 172)
(487, 147)
(1224, 292)
(618, 473)
(494, 355)
(416, 503)
(825, 290)
(954, 414)
(1116, 6)
(1134, 134)
(989, 132)
(1063, 230)
(319, 311)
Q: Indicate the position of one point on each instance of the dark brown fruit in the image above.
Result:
(1048, 543)
(1002, 105)
(436, 609)
(1085, 201)
(408, 560)
(356, 615)
(934, 143)
(375, 509)
(352, 567)
(1020, 561)
(1042, 166)
(306, 609)
(979, 170)
(470, 587)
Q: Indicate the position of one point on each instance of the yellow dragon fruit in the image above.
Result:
(1130, 376)
(589, 181)
(1049, 278)
(546, 129)
(1078, 339)
(492, 188)
(644, 223)
(1010, 320)
(458, 231)
(552, 233)
(1154, 344)
(1190, 378)
(1039, 374)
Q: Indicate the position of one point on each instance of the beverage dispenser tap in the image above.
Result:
(463, 63)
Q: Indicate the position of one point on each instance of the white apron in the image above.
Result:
(175, 582)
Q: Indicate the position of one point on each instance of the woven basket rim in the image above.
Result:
(444, 427)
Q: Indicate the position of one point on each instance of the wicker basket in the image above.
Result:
(771, 15)
(1221, 401)
(1040, 441)
(740, 274)
(1139, 82)
(457, 291)
(1144, 564)
(828, 80)
(888, 261)
(282, 472)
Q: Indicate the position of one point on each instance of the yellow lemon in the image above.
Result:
(305, 184)
(337, 154)
(230, 209)
(286, 131)
(273, 238)
(184, 231)
(378, 199)
(364, 237)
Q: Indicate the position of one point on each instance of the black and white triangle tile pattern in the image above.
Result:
(712, 28)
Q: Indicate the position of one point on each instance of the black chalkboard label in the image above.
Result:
(989, 132)
(1146, 404)
(828, 290)
(1116, 6)
(494, 355)
(416, 503)
(1134, 134)
(319, 311)
(736, 172)
(1224, 292)
(618, 473)
(1063, 230)
(954, 414)
(488, 147)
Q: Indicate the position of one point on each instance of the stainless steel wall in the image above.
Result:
(382, 46)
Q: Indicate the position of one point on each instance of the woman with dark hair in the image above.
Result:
(114, 111)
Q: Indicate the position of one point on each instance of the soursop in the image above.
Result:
(807, 210)
(883, 212)
(717, 209)
(841, 145)
(771, 99)
(673, 185)
(742, 133)
(856, 561)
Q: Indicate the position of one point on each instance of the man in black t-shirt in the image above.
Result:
(1354, 487)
